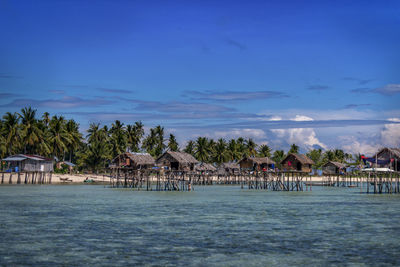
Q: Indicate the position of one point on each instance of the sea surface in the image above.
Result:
(92, 225)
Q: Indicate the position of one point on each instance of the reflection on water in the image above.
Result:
(217, 225)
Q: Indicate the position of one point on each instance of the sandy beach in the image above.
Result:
(56, 178)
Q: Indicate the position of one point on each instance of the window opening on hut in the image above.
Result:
(174, 165)
(298, 166)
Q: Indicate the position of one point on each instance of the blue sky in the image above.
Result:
(317, 73)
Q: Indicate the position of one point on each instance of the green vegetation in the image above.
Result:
(57, 137)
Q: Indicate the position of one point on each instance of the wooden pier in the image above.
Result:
(25, 177)
(369, 182)
(151, 180)
(277, 181)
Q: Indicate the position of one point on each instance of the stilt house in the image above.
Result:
(256, 164)
(205, 167)
(297, 162)
(229, 168)
(333, 167)
(179, 161)
(388, 158)
(135, 161)
(29, 163)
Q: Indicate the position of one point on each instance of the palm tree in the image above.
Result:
(339, 155)
(264, 151)
(93, 132)
(118, 138)
(189, 147)
(278, 156)
(241, 147)
(150, 142)
(46, 118)
(233, 150)
(58, 136)
(74, 136)
(97, 152)
(43, 146)
(220, 154)
(11, 132)
(172, 143)
(135, 134)
(329, 155)
(202, 149)
(251, 147)
(316, 156)
(294, 149)
(3, 146)
(30, 132)
(160, 146)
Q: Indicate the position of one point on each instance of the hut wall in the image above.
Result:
(170, 162)
(330, 169)
(296, 165)
(37, 165)
(293, 166)
(173, 164)
(246, 164)
(306, 168)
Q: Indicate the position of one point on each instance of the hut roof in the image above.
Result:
(141, 158)
(230, 165)
(181, 157)
(264, 160)
(337, 164)
(394, 151)
(68, 163)
(21, 157)
(303, 159)
(205, 167)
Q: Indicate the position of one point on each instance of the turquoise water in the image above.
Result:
(215, 225)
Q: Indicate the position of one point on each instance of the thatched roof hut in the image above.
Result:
(333, 167)
(388, 158)
(297, 162)
(177, 161)
(135, 161)
(29, 163)
(254, 163)
(228, 168)
(205, 167)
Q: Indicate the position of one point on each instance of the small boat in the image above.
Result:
(88, 181)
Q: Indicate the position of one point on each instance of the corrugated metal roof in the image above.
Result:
(12, 158)
(69, 163)
(21, 157)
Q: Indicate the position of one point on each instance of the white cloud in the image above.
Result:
(301, 118)
(390, 135)
(245, 133)
(303, 137)
(356, 146)
(275, 118)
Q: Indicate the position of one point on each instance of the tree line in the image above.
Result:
(54, 136)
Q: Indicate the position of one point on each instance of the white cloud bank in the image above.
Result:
(303, 137)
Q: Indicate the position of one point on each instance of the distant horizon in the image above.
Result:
(314, 73)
